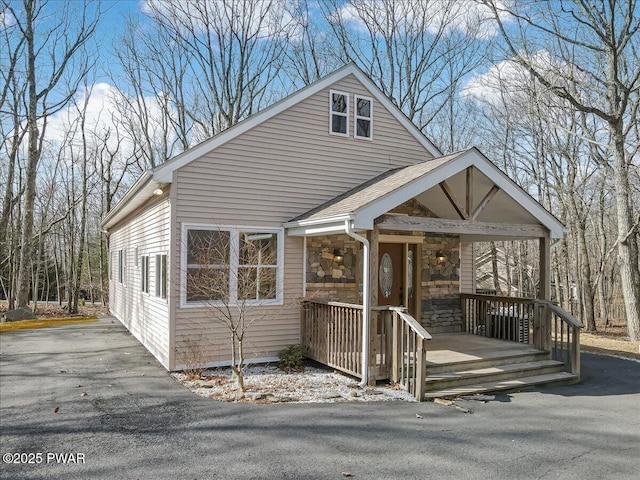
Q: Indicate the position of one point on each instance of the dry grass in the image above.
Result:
(53, 315)
(44, 323)
(610, 340)
(53, 310)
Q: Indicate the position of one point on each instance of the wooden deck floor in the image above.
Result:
(448, 348)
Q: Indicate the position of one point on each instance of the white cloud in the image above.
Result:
(508, 81)
(7, 19)
(465, 16)
(107, 112)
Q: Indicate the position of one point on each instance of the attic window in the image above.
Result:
(363, 117)
(338, 113)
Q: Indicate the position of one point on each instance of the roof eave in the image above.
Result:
(114, 215)
(318, 226)
(163, 173)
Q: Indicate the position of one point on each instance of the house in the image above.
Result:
(372, 231)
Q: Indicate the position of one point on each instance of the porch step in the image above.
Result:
(558, 378)
(497, 372)
(482, 362)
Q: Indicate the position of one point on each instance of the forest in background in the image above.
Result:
(550, 91)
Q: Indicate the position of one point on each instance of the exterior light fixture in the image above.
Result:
(158, 191)
(440, 256)
(337, 256)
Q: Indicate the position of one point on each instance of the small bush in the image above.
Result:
(192, 356)
(292, 358)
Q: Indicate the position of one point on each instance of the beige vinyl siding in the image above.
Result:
(269, 175)
(144, 315)
(290, 163)
(274, 327)
(467, 268)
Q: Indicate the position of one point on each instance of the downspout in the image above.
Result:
(366, 300)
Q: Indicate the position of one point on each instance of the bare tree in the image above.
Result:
(595, 45)
(417, 51)
(233, 50)
(54, 54)
(233, 279)
(310, 54)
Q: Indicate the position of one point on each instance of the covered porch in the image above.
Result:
(390, 283)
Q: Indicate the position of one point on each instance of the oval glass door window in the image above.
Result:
(386, 275)
(410, 272)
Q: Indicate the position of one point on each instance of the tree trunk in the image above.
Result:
(627, 239)
(33, 157)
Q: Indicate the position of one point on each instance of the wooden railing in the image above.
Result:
(538, 322)
(563, 338)
(409, 353)
(504, 318)
(332, 333)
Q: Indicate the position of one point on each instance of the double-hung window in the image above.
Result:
(257, 266)
(144, 273)
(338, 113)
(122, 266)
(232, 265)
(161, 275)
(208, 253)
(363, 117)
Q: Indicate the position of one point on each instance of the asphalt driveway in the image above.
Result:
(94, 404)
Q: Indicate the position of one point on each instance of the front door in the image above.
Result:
(397, 275)
(391, 274)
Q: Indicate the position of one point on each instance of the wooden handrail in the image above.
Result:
(497, 298)
(563, 337)
(334, 304)
(415, 326)
(409, 353)
(562, 313)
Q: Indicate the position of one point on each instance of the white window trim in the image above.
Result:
(142, 275)
(331, 113)
(122, 266)
(156, 277)
(357, 117)
(233, 263)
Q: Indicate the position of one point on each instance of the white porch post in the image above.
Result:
(366, 301)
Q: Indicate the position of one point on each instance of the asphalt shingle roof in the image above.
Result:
(374, 189)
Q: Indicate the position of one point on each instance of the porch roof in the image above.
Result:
(497, 199)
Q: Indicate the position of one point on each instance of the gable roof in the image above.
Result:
(364, 203)
(372, 190)
(163, 173)
(160, 176)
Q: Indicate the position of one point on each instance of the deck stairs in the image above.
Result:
(515, 366)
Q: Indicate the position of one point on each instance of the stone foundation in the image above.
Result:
(333, 292)
(441, 310)
(441, 315)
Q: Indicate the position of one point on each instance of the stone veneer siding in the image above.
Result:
(340, 281)
(328, 279)
(440, 281)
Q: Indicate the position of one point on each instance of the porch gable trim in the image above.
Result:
(365, 216)
(406, 223)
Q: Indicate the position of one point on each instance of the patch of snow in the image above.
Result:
(268, 384)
